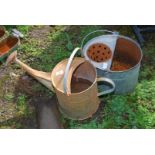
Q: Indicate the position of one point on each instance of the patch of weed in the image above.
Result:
(22, 106)
(9, 96)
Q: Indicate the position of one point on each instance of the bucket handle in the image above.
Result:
(107, 31)
(68, 67)
(107, 81)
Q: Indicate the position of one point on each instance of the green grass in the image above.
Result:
(136, 110)
(9, 96)
(22, 106)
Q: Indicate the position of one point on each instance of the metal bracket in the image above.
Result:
(138, 32)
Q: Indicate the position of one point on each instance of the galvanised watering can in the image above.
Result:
(74, 81)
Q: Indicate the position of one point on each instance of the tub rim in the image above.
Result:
(127, 38)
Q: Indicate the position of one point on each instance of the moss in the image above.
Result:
(2, 80)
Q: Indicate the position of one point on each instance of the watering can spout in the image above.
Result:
(42, 77)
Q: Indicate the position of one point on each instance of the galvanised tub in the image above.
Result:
(125, 80)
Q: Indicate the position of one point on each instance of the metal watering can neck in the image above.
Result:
(42, 77)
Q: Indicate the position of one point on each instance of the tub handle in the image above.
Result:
(107, 31)
(107, 81)
(68, 67)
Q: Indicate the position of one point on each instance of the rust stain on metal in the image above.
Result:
(126, 55)
(99, 52)
(7, 44)
(79, 84)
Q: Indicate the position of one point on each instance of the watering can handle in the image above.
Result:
(107, 81)
(68, 67)
(83, 40)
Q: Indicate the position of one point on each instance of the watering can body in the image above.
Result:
(83, 104)
(76, 106)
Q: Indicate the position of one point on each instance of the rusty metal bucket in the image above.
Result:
(125, 66)
(124, 61)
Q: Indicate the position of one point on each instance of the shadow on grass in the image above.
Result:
(20, 122)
